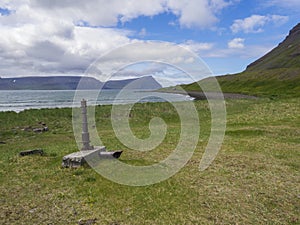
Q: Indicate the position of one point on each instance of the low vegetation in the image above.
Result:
(254, 179)
(273, 83)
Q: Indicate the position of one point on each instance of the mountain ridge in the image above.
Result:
(75, 82)
(285, 55)
(276, 74)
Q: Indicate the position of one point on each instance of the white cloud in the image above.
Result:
(197, 47)
(255, 23)
(197, 13)
(160, 56)
(236, 43)
(34, 49)
(99, 12)
(39, 37)
(191, 13)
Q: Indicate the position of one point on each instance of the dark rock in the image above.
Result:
(32, 152)
(42, 123)
(40, 130)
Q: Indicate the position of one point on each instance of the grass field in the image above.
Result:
(272, 83)
(254, 179)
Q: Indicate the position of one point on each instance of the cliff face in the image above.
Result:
(285, 55)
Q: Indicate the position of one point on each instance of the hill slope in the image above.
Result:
(275, 74)
(285, 55)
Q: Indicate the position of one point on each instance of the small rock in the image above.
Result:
(28, 128)
(40, 130)
(32, 210)
(87, 222)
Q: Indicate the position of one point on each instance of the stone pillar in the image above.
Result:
(85, 131)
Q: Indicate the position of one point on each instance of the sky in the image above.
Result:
(55, 37)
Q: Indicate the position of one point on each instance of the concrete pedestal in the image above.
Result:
(77, 159)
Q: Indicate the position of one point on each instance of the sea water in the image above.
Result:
(36, 99)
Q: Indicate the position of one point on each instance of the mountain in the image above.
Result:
(276, 74)
(71, 83)
(48, 83)
(285, 55)
(147, 82)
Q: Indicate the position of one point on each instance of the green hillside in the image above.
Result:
(276, 74)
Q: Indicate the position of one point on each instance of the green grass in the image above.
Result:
(254, 179)
(272, 83)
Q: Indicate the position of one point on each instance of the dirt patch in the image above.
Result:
(215, 95)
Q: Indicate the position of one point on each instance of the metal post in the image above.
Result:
(85, 131)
